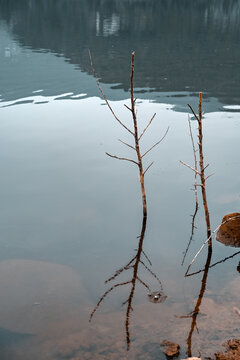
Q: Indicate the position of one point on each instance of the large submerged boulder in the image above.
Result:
(229, 231)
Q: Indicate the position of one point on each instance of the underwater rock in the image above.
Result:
(170, 349)
(156, 297)
(229, 231)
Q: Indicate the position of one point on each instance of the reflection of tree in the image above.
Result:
(198, 304)
(170, 49)
(133, 265)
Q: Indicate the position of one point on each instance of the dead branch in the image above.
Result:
(156, 143)
(121, 158)
(195, 190)
(104, 96)
(190, 167)
(148, 167)
(123, 142)
(149, 123)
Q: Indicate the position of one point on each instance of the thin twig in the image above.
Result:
(148, 167)
(190, 167)
(156, 143)
(149, 123)
(123, 142)
(121, 158)
(195, 190)
(104, 96)
(208, 239)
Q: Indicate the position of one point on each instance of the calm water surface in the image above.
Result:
(70, 216)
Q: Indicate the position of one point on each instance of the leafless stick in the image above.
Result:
(190, 167)
(156, 143)
(148, 167)
(120, 158)
(106, 100)
(132, 147)
(128, 107)
(202, 167)
(147, 126)
(193, 112)
(195, 190)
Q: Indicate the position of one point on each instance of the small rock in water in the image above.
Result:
(156, 297)
(171, 349)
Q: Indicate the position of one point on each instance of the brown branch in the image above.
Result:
(104, 96)
(193, 112)
(128, 107)
(190, 167)
(156, 143)
(120, 158)
(148, 167)
(123, 142)
(149, 123)
(195, 190)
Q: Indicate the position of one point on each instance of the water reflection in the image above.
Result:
(177, 43)
(140, 259)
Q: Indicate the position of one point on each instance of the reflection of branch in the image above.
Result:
(205, 242)
(195, 191)
(198, 304)
(133, 265)
(104, 96)
(216, 263)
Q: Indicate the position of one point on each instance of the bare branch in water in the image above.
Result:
(149, 123)
(205, 242)
(121, 158)
(104, 96)
(148, 167)
(123, 142)
(190, 167)
(195, 191)
(156, 143)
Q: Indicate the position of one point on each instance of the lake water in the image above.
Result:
(70, 216)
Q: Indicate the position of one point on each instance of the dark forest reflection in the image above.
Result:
(180, 45)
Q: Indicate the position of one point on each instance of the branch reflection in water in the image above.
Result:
(134, 265)
(229, 234)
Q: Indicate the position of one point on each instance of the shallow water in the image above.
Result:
(70, 215)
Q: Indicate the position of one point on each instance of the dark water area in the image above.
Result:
(71, 217)
(182, 47)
